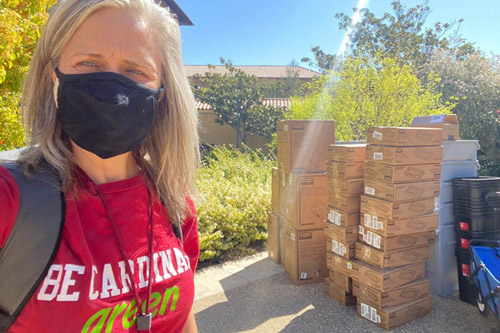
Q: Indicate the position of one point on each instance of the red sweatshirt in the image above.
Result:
(85, 289)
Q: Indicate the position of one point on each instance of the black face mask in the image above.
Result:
(105, 113)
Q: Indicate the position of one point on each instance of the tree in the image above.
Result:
(475, 82)
(370, 92)
(20, 25)
(401, 35)
(237, 100)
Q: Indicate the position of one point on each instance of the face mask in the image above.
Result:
(105, 113)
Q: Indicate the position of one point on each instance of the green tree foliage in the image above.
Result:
(20, 24)
(368, 93)
(401, 35)
(475, 81)
(236, 190)
(237, 100)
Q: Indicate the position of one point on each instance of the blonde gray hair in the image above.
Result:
(169, 154)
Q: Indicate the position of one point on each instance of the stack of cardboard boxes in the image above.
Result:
(398, 223)
(345, 185)
(299, 199)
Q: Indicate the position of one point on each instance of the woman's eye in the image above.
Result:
(88, 63)
(135, 71)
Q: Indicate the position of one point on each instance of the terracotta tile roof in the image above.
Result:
(269, 72)
(276, 102)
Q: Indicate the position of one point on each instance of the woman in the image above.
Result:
(107, 104)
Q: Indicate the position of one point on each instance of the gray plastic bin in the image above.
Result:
(458, 169)
(441, 269)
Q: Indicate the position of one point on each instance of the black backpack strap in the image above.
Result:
(31, 246)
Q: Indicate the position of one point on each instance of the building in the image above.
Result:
(212, 132)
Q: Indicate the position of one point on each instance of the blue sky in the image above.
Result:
(274, 32)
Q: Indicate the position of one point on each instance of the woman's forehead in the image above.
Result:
(113, 33)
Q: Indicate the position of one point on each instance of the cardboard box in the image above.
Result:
(351, 153)
(342, 265)
(386, 279)
(386, 227)
(342, 218)
(396, 242)
(344, 235)
(448, 122)
(403, 173)
(383, 299)
(401, 192)
(404, 136)
(339, 294)
(345, 187)
(303, 145)
(396, 211)
(404, 155)
(345, 250)
(303, 254)
(394, 258)
(306, 197)
(345, 170)
(345, 203)
(273, 237)
(275, 191)
(283, 180)
(342, 280)
(390, 318)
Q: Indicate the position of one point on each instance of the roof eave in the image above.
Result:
(181, 16)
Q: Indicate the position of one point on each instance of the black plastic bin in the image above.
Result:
(475, 187)
(464, 237)
(475, 222)
(467, 290)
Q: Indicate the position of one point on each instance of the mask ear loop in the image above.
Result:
(55, 91)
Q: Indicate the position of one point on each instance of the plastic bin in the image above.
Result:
(464, 237)
(475, 187)
(460, 150)
(479, 222)
(446, 192)
(441, 268)
(458, 169)
(446, 216)
(466, 289)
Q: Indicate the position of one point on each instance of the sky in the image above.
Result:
(275, 32)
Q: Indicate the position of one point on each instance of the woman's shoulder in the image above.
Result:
(9, 203)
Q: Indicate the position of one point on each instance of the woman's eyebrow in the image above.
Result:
(133, 63)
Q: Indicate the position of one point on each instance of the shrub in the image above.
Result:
(236, 190)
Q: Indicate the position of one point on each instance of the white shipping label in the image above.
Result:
(349, 265)
(338, 248)
(380, 225)
(378, 156)
(377, 135)
(303, 275)
(334, 217)
(369, 313)
(292, 236)
(369, 190)
(285, 127)
(376, 240)
(361, 229)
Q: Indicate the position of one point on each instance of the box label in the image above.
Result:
(370, 190)
(464, 243)
(465, 270)
(371, 238)
(377, 135)
(349, 265)
(285, 127)
(464, 226)
(372, 221)
(378, 156)
(338, 248)
(369, 313)
(292, 236)
(334, 217)
(303, 275)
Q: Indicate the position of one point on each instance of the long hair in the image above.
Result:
(169, 154)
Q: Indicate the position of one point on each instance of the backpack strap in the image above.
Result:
(31, 246)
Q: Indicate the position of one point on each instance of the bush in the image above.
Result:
(236, 189)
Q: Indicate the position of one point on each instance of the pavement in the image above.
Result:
(254, 295)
